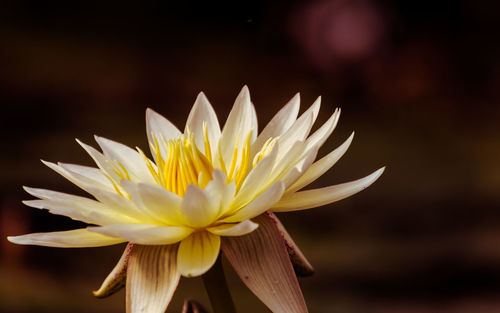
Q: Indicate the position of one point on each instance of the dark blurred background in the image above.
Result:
(418, 81)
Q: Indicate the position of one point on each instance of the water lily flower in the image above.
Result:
(200, 185)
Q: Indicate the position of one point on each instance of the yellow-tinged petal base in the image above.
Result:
(197, 253)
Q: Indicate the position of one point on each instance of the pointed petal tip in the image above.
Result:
(117, 278)
(82, 144)
(13, 239)
(46, 162)
(373, 177)
(244, 93)
(201, 99)
(317, 103)
(379, 171)
(201, 95)
(33, 203)
(349, 139)
(30, 190)
(150, 113)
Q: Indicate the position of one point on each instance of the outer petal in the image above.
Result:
(319, 137)
(300, 264)
(239, 123)
(82, 176)
(300, 168)
(258, 206)
(152, 277)
(300, 129)
(78, 238)
(319, 167)
(279, 124)
(160, 128)
(131, 160)
(198, 253)
(75, 207)
(292, 157)
(240, 229)
(202, 112)
(317, 197)
(122, 205)
(145, 234)
(101, 161)
(116, 279)
(261, 260)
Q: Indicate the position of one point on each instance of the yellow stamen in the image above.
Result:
(208, 151)
(234, 160)
(266, 150)
(183, 164)
(150, 166)
(242, 171)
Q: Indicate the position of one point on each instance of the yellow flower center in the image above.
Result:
(182, 163)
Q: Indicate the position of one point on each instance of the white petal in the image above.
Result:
(257, 180)
(319, 137)
(300, 128)
(198, 208)
(260, 205)
(300, 168)
(78, 238)
(215, 188)
(145, 234)
(280, 123)
(152, 277)
(90, 176)
(131, 160)
(255, 123)
(321, 166)
(161, 203)
(81, 176)
(202, 112)
(122, 205)
(221, 194)
(197, 253)
(317, 197)
(75, 207)
(239, 123)
(289, 158)
(239, 229)
(101, 161)
(160, 128)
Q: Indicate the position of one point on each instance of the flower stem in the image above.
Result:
(217, 289)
